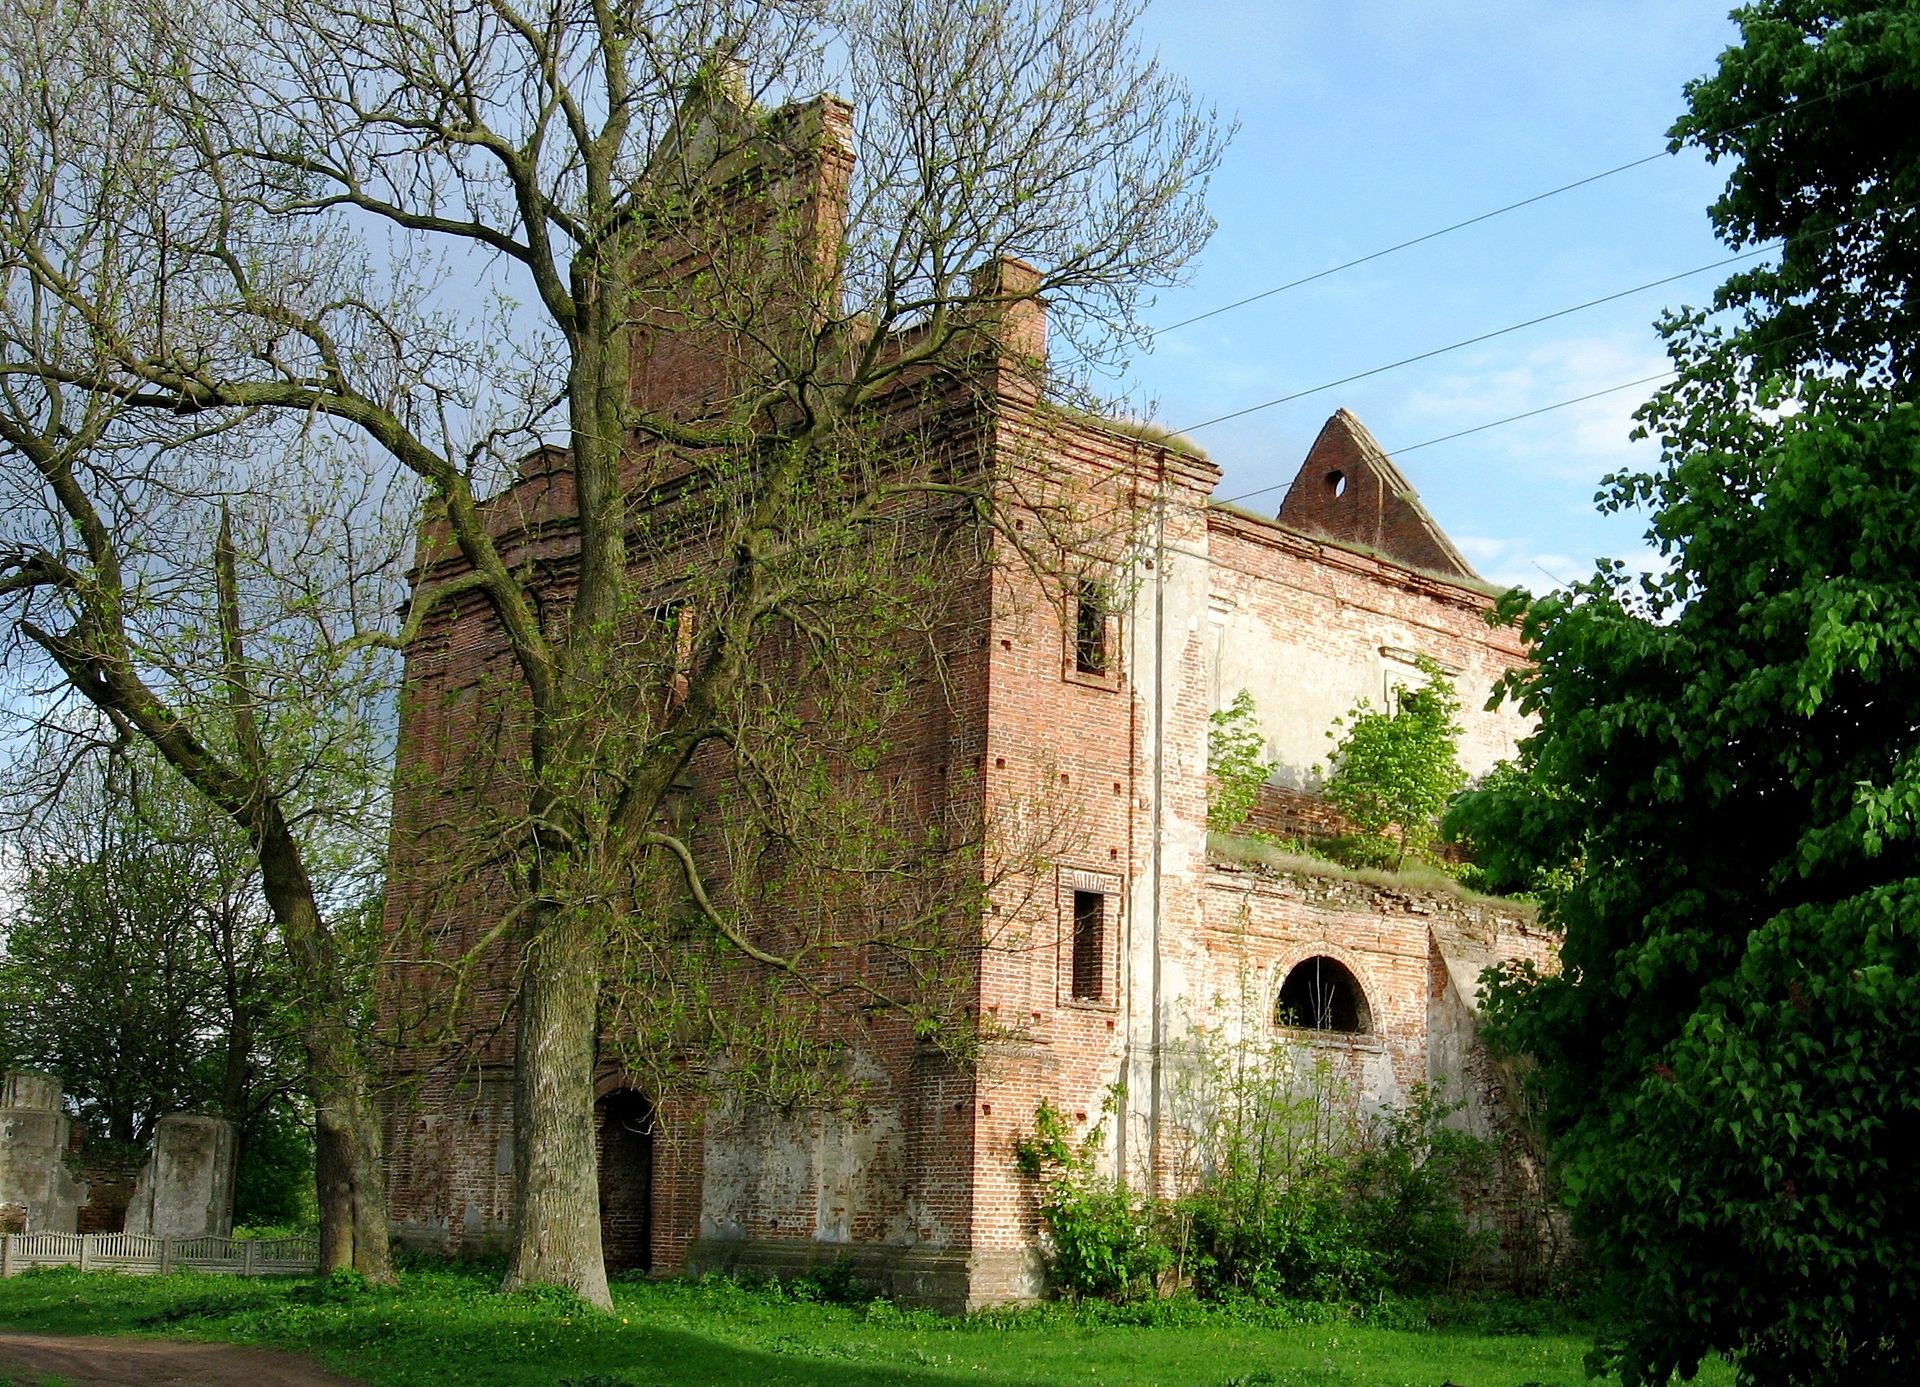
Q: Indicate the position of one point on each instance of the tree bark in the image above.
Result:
(348, 1170)
(556, 1217)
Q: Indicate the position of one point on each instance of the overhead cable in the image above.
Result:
(1501, 211)
(1477, 428)
(1748, 254)
(1403, 245)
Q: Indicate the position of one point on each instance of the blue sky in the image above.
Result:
(1365, 123)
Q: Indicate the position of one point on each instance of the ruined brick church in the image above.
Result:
(1134, 936)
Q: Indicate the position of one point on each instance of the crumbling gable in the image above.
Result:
(1349, 491)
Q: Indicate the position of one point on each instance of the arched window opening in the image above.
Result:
(1322, 994)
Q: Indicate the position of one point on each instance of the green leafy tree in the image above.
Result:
(1729, 767)
(109, 971)
(1498, 821)
(1394, 770)
(1237, 763)
(139, 963)
(1727, 1053)
(1814, 108)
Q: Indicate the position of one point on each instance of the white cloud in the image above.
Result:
(1512, 561)
(1578, 441)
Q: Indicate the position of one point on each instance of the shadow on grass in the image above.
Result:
(450, 1326)
(453, 1328)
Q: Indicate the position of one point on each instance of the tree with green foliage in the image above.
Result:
(1237, 763)
(1496, 821)
(1395, 769)
(139, 963)
(1816, 107)
(1727, 766)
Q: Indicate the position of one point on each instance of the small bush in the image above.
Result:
(1237, 764)
(1102, 1236)
(1407, 1181)
(1394, 770)
(832, 1284)
(341, 1286)
(1296, 1240)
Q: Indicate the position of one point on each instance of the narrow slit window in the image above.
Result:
(1093, 604)
(1089, 946)
(677, 631)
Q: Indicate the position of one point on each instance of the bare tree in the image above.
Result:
(730, 394)
(196, 579)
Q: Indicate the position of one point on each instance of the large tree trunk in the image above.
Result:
(556, 1217)
(352, 1192)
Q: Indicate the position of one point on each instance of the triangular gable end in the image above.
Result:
(1349, 491)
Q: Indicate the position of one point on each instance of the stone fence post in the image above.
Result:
(166, 1255)
(86, 1252)
(251, 1265)
(6, 1254)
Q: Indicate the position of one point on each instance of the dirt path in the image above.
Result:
(25, 1359)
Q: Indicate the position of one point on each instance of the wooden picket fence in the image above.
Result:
(145, 1256)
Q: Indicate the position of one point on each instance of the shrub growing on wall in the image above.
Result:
(1293, 1195)
(1394, 770)
(1237, 764)
(1102, 1239)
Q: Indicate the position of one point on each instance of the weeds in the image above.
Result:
(1291, 1195)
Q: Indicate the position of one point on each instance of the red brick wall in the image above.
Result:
(1349, 491)
(1071, 781)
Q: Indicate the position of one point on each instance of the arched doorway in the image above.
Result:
(626, 1179)
(1322, 994)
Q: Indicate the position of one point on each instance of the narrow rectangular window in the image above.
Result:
(1092, 605)
(677, 631)
(1089, 946)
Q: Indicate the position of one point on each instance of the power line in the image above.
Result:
(1482, 337)
(1477, 428)
(1510, 207)
(1414, 241)
(1509, 419)
(1528, 414)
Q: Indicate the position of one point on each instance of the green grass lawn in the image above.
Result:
(447, 1326)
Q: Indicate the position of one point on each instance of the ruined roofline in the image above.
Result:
(1355, 556)
(719, 136)
(1137, 430)
(1348, 490)
(1403, 488)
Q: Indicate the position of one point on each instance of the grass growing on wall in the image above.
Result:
(1294, 858)
(447, 1325)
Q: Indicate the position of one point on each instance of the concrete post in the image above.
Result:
(186, 1189)
(37, 1193)
(86, 1251)
(6, 1254)
(252, 1264)
(166, 1255)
